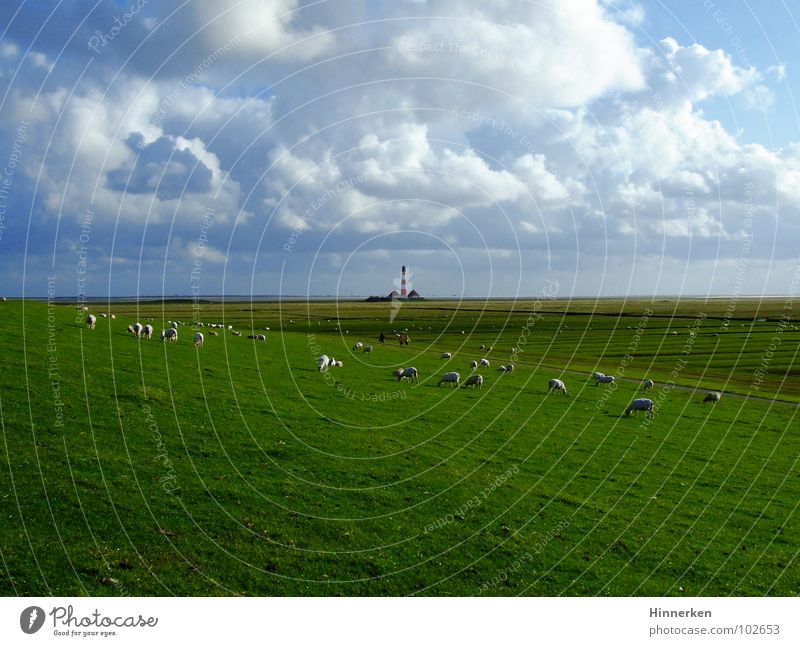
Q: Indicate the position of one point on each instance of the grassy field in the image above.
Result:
(135, 467)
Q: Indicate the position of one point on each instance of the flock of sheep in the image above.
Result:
(453, 379)
(171, 333)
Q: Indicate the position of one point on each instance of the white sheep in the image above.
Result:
(170, 334)
(336, 364)
(323, 363)
(648, 384)
(640, 404)
(198, 339)
(447, 355)
(367, 348)
(474, 380)
(358, 345)
(407, 373)
(473, 364)
(597, 375)
(603, 379)
(485, 362)
(236, 333)
(483, 346)
(135, 329)
(147, 331)
(173, 325)
(557, 384)
(450, 378)
(261, 337)
(507, 369)
(713, 397)
(91, 321)
(213, 333)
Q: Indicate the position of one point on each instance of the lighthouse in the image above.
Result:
(403, 290)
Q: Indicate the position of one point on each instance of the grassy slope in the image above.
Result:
(289, 485)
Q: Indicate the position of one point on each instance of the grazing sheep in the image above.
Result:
(398, 373)
(603, 379)
(198, 339)
(113, 316)
(336, 364)
(474, 380)
(147, 331)
(485, 362)
(235, 333)
(597, 375)
(323, 363)
(447, 355)
(450, 378)
(407, 373)
(213, 333)
(713, 397)
(170, 334)
(261, 337)
(648, 384)
(483, 346)
(557, 384)
(473, 364)
(367, 348)
(91, 321)
(640, 404)
(173, 325)
(358, 345)
(507, 369)
(135, 329)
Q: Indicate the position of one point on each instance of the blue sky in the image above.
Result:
(280, 146)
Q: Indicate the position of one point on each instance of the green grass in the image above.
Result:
(275, 480)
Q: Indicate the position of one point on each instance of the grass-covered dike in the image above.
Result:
(136, 467)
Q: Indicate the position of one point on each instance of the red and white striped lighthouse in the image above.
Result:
(403, 290)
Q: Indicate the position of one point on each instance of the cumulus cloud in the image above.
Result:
(540, 132)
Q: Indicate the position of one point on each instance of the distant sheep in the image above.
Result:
(407, 373)
(91, 321)
(648, 384)
(473, 364)
(135, 329)
(323, 363)
(483, 346)
(450, 378)
(713, 397)
(261, 337)
(485, 362)
(235, 333)
(597, 375)
(198, 339)
(640, 404)
(507, 369)
(358, 345)
(147, 331)
(474, 380)
(367, 348)
(558, 385)
(604, 379)
(336, 364)
(447, 355)
(170, 334)
(213, 333)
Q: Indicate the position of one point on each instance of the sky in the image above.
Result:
(507, 148)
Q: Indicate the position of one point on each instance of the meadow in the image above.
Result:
(136, 467)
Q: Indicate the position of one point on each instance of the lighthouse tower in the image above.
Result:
(403, 289)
